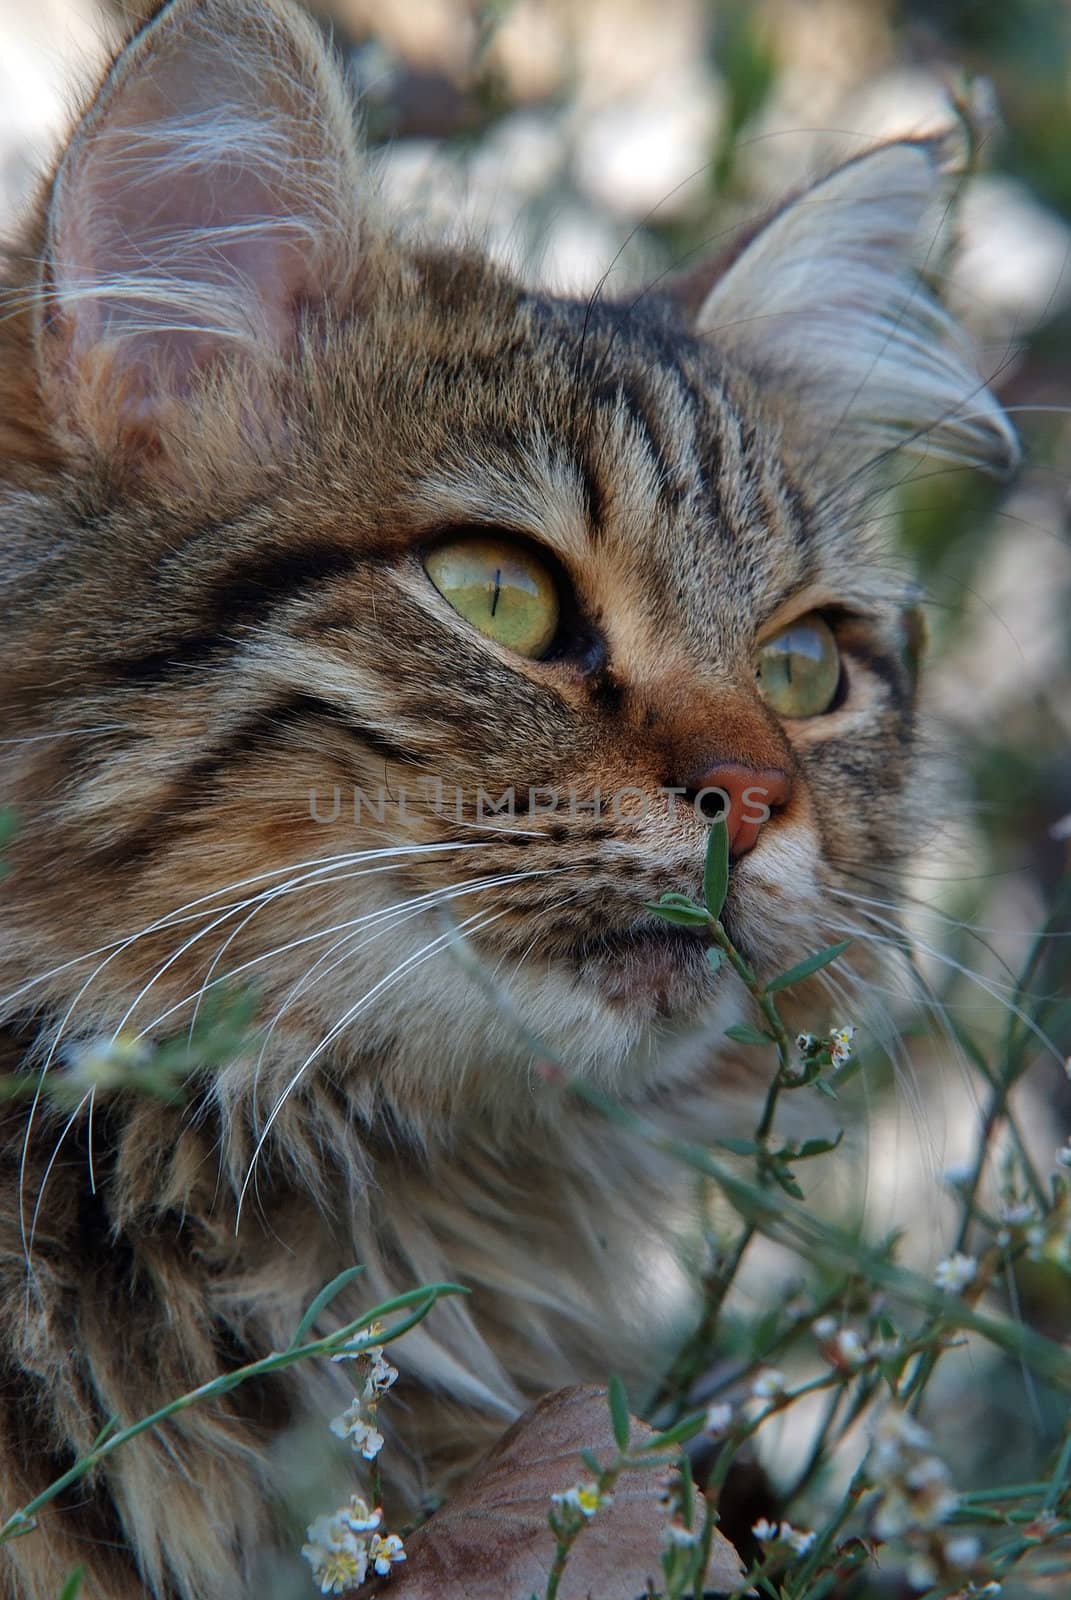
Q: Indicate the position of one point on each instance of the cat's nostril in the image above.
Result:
(745, 796)
(710, 803)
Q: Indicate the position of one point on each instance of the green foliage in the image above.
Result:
(876, 1330)
(716, 868)
(323, 1300)
(416, 1302)
(619, 1414)
(807, 968)
(9, 827)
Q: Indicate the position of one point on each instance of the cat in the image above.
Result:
(317, 540)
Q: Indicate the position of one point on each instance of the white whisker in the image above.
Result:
(177, 917)
(417, 958)
(379, 914)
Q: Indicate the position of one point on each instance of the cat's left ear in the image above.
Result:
(827, 306)
(206, 203)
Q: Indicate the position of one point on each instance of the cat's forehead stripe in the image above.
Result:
(537, 491)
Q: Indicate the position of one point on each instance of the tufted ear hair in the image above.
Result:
(826, 304)
(207, 200)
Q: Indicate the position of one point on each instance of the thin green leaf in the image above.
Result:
(818, 1147)
(105, 1432)
(804, 969)
(737, 1147)
(687, 1490)
(9, 825)
(743, 1034)
(73, 1586)
(680, 1433)
(784, 1178)
(619, 1413)
(716, 870)
(682, 916)
(592, 1462)
(765, 1331)
(322, 1301)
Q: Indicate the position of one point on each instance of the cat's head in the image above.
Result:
(302, 518)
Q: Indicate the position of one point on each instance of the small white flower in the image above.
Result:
(379, 1379)
(824, 1329)
(898, 1442)
(962, 1551)
(925, 1472)
(769, 1384)
(362, 1344)
(339, 1560)
(583, 1497)
(719, 1420)
(899, 1428)
(955, 1272)
(385, 1553)
(840, 1044)
(921, 1572)
(106, 1063)
(675, 1533)
(361, 1434)
(893, 1516)
(330, 1532)
(668, 1490)
(1016, 1213)
(806, 1042)
(797, 1539)
(358, 1516)
(848, 1348)
(1063, 1156)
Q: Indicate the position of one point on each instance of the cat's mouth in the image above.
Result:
(651, 967)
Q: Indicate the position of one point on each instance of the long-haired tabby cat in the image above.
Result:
(293, 506)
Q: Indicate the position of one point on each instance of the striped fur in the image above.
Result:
(232, 409)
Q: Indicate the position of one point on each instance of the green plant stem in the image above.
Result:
(22, 1521)
(778, 1033)
(815, 1459)
(557, 1569)
(689, 1362)
(859, 1486)
(793, 1225)
(1061, 1472)
(695, 1351)
(605, 1482)
(740, 1436)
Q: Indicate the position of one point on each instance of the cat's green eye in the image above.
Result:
(799, 668)
(501, 587)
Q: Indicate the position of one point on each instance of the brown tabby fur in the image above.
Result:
(214, 605)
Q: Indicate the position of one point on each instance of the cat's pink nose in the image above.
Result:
(746, 796)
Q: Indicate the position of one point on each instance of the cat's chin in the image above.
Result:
(652, 972)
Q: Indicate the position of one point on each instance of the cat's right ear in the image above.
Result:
(206, 203)
(828, 305)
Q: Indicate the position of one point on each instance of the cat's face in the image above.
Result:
(393, 616)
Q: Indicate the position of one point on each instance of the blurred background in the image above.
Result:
(625, 137)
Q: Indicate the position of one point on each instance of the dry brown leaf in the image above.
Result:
(491, 1540)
